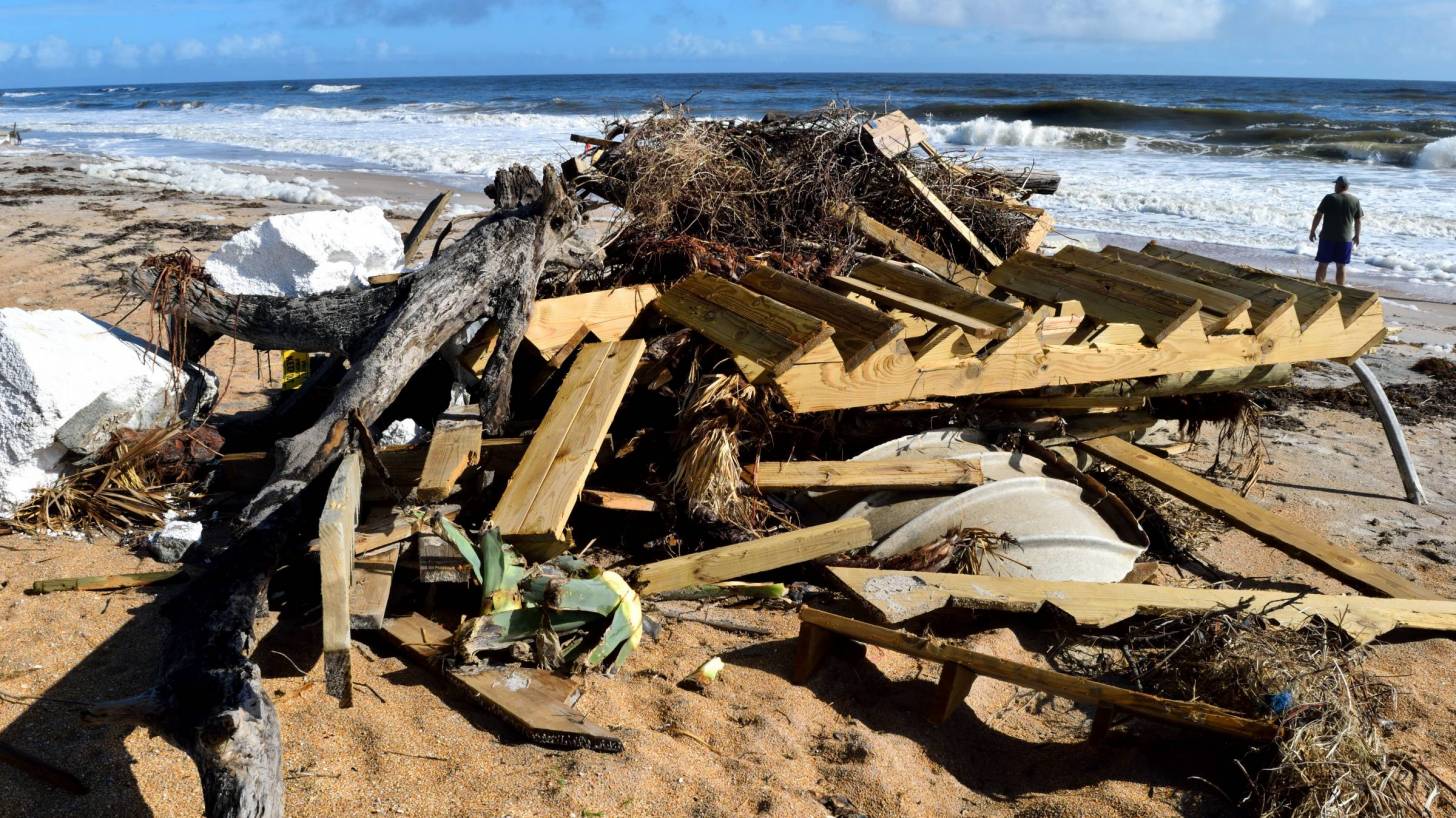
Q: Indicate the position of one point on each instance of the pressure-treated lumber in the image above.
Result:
(1266, 304)
(1314, 300)
(617, 500)
(769, 334)
(336, 566)
(897, 596)
(533, 509)
(893, 134)
(1106, 297)
(109, 582)
(1288, 536)
(454, 447)
(859, 330)
(421, 230)
(1221, 307)
(1076, 688)
(741, 559)
(535, 702)
(1042, 222)
(607, 314)
(958, 301)
(988, 256)
(371, 580)
(900, 473)
(892, 239)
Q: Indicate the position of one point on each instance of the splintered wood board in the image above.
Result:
(741, 559)
(454, 448)
(421, 230)
(538, 499)
(859, 330)
(893, 134)
(953, 221)
(606, 314)
(1077, 688)
(336, 565)
(899, 473)
(369, 592)
(768, 333)
(1300, 542)
(535, 702)
(897, 596)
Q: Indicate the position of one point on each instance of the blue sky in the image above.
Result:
(82, 42)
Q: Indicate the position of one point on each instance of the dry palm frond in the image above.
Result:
(1333, 760)
(121, 487)
(721, 412)
(1239, 450)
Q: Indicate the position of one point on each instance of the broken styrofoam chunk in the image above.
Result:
(402, 432)
(308, 253)
(67, 383)
(174, 539)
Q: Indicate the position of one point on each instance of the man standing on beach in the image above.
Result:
(1341, 214)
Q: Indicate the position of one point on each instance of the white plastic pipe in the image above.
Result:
(1393, 433)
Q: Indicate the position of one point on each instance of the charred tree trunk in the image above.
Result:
(210, 699)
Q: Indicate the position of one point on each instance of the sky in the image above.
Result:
(138, 41)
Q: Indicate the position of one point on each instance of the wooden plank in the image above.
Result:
(900, 473)
(893, 134)
(107, 582)
(1223, 306)
(385, 526)
(859, 330)
(594, 141)
(890, 238)
(1042, 222)
(902, 280)
(914, 306)
(741, 559)
(421, 230)
(475, 356)
(454, 448)
(770, 334)
(928, 196)
(535, 702)
(1288, 536)
(1076, 688)
(897, 596)
(608, 314)
(440, 561)
(533, 509)
(1266, 304)
(372, 578)
(1107, 297)
(336, 564)
(951, 690)
(1313, 300)
(617, 500)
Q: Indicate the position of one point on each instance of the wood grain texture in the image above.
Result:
(454, 447)
(897, 596)
(892, 239)
(1076, 688)
(1266, 304)
(1313, 300)
(859, 330)
(902, 473)
(769, 333)
(336, 565)
(1294, 539)
(1221, 307)
(931, 290)
(421, 229)
(372, 578)
(741, 559)
(607, 314)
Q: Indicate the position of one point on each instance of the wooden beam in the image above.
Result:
(932, 312)
(533, 509)
(372, 578)
(421, 230)
(741, 559)
(617, 500)
(770, 334)
(898, 596)
(859, 330)
(608, 314)
(900, 473)
(1076, 688)
(893, 134)
(1266, 304)
(454, 448)
(336, 564)
(928, 289)
(1288, 536)
(107, 582)
(475, 356)
(1107, 297)
(892, 239)
(1313, 300)
(594, 141)
(1222, 307)
(439, 560)
(535, 702)
(953, 221)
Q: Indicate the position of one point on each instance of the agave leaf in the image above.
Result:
(456, 536)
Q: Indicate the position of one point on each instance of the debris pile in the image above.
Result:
(807, 339)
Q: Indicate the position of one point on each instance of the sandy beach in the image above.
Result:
(754, 744)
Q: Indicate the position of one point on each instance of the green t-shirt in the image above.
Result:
(1341, 210)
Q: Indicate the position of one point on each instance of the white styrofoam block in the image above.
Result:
(173, 540)
(308, 253)
(402, 432)
(68, 381)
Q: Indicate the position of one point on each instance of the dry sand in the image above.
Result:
(754, 744)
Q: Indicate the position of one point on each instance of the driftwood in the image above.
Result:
(210, 700)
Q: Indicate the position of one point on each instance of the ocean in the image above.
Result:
(1238, 161)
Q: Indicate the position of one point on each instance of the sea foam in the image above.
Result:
(322, 88)
(1438, 155)
(199, 177)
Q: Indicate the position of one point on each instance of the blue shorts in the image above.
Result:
(1334, 250)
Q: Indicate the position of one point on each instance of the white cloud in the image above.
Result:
(156, 52)
(7, 50)
(839, 33)
(1128, 20)
(124, 54)
(53, 52)
(260, 46)
(190, 49)
(697, 45)
(95, 57)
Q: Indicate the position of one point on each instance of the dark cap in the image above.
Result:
(1342, 181)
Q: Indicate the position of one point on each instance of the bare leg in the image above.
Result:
(1319, 272)
(1339, 274)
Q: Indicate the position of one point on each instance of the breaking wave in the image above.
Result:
(1108, 114)
(23, 94)
(323, 88)
(1439, 155)
(986, 130)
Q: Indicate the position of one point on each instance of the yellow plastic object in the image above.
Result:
(296, 366)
